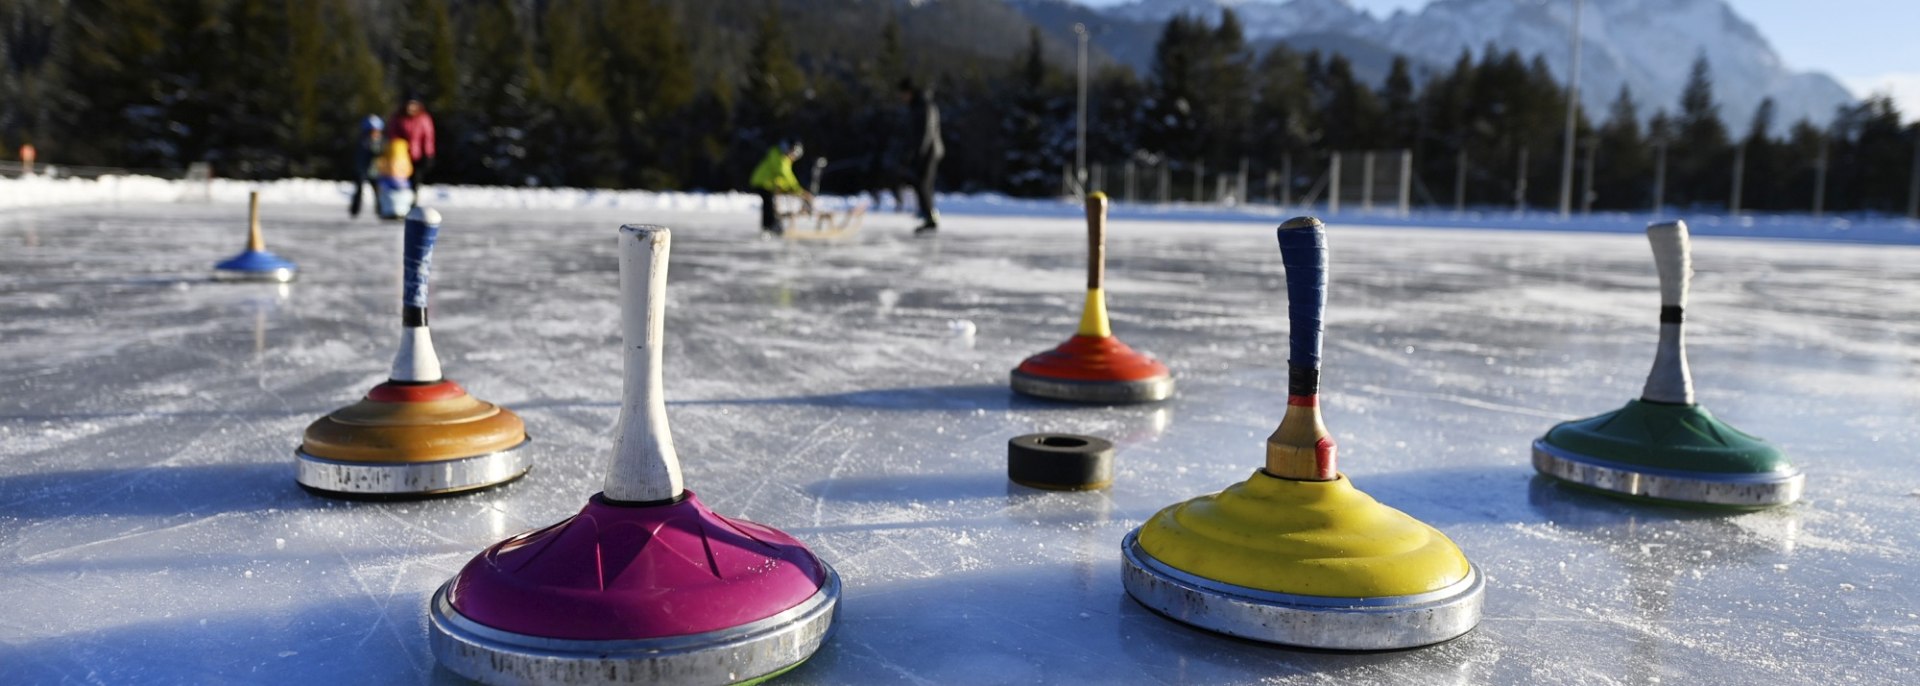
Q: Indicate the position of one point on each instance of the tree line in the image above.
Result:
(687, 94)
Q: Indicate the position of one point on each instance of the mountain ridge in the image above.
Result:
(1646, 45)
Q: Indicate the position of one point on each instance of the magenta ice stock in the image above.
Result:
(645, 585)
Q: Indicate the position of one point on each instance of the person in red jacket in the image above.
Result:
(413, 125)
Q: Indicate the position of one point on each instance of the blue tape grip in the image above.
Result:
(1303, 252)
(423, 228)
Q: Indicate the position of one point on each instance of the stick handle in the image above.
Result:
(1096, 240)
(1303, 252)
(1673, 257)
(1671, 381)
(1302, 449)
(416, 264)
(255, 241)
(645, 467)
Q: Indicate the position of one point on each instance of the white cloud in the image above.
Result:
(1903, 86)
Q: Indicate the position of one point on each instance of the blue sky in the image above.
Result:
(1869, 45)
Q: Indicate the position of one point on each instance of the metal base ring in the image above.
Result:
(1387, 623)
(1142, 391)
(390, 480)
(1765, 489)
(268, 276)
(745, 653)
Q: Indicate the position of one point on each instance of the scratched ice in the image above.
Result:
(150, 530)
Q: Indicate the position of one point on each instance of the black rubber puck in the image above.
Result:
(1060, 462)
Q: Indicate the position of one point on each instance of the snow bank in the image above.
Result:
(40, 192)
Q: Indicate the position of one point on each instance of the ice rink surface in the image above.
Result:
(151, 531)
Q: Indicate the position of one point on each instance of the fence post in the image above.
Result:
(1166, 181)
(1241, 192)
(1286, 180)
(1586, 184)
(1366, 182)
(1199, 177)
(1333, 185)
(1406, 182)
(1520, 185)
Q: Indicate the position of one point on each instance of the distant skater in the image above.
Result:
(925, 151)
(414, 125)
(365, 152)
(774, 178)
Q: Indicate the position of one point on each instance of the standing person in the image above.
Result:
(773, 178)
(413, 125)
(372, 135)
(924, 149)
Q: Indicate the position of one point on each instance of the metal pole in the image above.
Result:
(1520, 185)
(1366, 182)
(1573, 109)
(1660, 178)
(1129, 179)
(1586, 190)
(1820, 180)
(1199, 178)
(1739, 177)
(1406, 182)
(1286, 180)
(1166, 182)
(1333, 185)
(1241, 192)
(1080, 116)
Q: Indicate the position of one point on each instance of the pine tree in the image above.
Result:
(1702, 158)
(1402, 112)
(1624, 172)
(1353, 113)
(333, 80)
(487, 138)
(1286, 121)
(649, 82)
(577, 146)
(1172, 128)
(425, 54)
(1031, 138)
(1226, 82)
(774, 84)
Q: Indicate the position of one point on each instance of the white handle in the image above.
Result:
(645, 467)
(1671, 381)
(1673, 256)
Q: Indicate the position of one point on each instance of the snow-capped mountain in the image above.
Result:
(1648, 45)
(1262, 19)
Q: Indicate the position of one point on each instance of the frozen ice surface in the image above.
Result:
(150, 529)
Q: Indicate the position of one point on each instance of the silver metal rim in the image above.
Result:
(275, 276)
(1763, 489)
(1384, 623)
(726, 656)
(1142, 391)
(412, 478)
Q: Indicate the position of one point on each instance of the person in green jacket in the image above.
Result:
(773, 178)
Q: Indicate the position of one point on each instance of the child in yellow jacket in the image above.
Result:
(774, 177)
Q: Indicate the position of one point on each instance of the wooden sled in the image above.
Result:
(824, 225)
